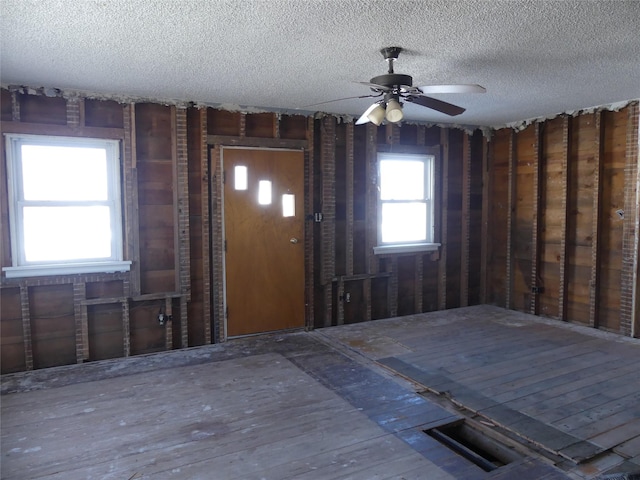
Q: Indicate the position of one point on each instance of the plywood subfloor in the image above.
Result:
(571, 389)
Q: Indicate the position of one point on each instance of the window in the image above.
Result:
(264, 192)
(405, 203)
(64, 205)
(288, 205)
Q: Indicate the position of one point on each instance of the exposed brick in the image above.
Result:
(595, 228)
(630, 227)
(535, 227)
(82, 328)
(26, 326)
(328, 228)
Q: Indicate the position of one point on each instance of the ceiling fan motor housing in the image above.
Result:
(391, 80)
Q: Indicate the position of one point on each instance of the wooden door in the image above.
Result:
(264, 259)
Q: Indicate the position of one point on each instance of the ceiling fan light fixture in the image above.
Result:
(394, 111)
(376, 115)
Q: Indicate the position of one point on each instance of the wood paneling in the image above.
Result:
(340, 195)
(523, 227)
(52, 325)
(40, 109)
(6, 102)
(406, 284)
(105, 289)
(475, 240)
(293, 127)
(11, 333)
(103, 113)
(222, 122)
(379, 294)
(105, 331)
(454, 219)
(614, 131)
(355, 308)
(199, 325)
(155, 198)
(260, 125)
(499, 212)
(147, 335)
(582, 168)
(580, 217)
(153, 133)
(551, 216)
(429, 283)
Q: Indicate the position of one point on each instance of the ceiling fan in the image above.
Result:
(396, 87)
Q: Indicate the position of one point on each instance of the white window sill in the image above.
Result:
(66, 269)
(406, 248)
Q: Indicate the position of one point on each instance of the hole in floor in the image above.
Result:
(620, 476)
(473, 445)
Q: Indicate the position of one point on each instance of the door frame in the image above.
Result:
(308, 244)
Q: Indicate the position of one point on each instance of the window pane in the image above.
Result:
(404, 222)
(64, 173)
(264, 192)
(66, 233)
(240, 177)
(401, 180)
(288, 205)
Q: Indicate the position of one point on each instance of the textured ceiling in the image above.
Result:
(535, 58)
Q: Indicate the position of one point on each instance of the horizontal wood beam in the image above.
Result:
(361, 276)
(102, 301)
(257, 142)
(138, 298)
(62, 130)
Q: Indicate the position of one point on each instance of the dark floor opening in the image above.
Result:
(473, 445)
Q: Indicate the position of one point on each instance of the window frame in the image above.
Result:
(430, 159)
(20, 266)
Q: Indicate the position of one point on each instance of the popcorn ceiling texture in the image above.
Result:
(536, 58)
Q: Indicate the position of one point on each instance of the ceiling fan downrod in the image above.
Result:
(390, 54)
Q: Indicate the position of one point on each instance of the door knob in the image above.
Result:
(293, 240)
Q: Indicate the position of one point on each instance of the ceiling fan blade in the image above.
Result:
(337, 100)
(375, 86)
(434, 104)
(461, 88)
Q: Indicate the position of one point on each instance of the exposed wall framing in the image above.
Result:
(556, 205)
(577, 243)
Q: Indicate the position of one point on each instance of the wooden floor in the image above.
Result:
(254, 417)
(348, 402)
(573, 390)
